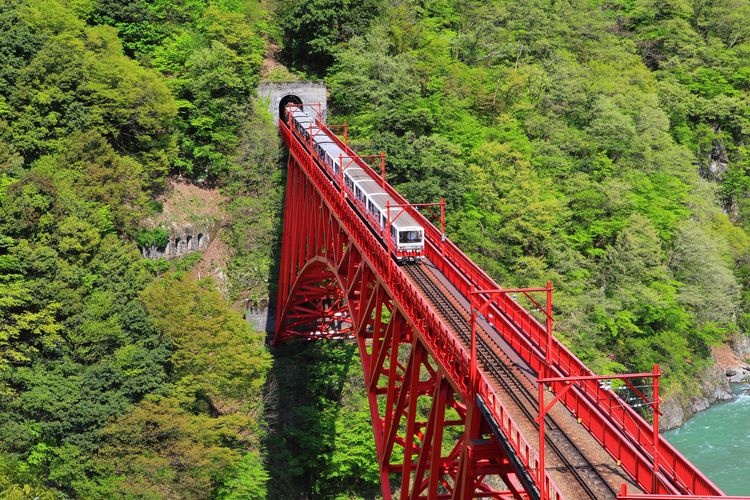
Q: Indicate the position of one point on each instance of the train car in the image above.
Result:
(364, 189)
(354, 174)
(307, 130)
(329, 151)
(408, 237)
(366, 192)
(407, 234)
(300, 119)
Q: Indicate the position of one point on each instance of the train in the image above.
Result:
(364, 191)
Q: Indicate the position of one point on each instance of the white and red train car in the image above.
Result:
(364, 190)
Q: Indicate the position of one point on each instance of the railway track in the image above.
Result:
(496, 363)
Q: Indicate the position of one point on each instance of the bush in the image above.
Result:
(147, 238)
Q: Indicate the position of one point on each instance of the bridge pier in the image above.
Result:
(261, 314)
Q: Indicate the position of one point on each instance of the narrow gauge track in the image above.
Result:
(496, 363)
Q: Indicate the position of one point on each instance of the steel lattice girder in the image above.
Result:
(431, 442)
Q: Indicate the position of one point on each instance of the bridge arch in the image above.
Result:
(317, 305)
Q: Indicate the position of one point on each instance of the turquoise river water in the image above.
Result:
(717, 441)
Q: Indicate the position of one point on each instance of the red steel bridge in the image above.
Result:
(470, 394)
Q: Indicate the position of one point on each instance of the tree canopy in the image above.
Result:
(117, 380)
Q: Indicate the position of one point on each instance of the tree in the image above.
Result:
(610, 129)
(708, 286)
(312, 29)
(219, 356)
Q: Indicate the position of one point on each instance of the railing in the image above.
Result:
(624, 495)
(525, 453)
(617, 427)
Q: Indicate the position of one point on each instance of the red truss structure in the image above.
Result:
(440, 429)
(430, 442)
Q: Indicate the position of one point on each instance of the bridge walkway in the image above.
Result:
(575, 462)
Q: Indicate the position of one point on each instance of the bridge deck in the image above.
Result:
(577, 464)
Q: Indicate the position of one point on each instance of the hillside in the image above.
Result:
(121, 376)
(601, 145)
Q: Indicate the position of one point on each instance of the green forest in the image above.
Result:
(603, 145)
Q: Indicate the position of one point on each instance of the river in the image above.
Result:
(717, 441)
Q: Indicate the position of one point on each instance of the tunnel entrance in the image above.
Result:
(290, 98)
(279, 94)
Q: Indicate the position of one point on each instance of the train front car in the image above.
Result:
(406, 234)
(408, 237)
(378, 208)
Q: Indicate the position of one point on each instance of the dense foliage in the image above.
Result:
(321, 442)
(313, 29)
(115, 382)
(602, 145)
(210, 53)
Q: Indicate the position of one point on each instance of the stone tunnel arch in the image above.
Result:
(287, 99)
(307, 92)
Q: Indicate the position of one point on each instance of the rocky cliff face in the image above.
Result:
(729, 366)
(678, 408)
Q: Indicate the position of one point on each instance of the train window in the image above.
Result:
(410, 236)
